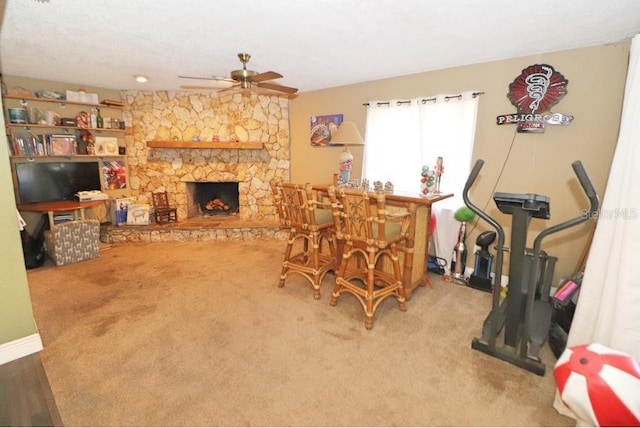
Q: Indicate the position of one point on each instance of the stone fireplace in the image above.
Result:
(179, 165)
(212, 199)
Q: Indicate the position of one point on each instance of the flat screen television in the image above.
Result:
(55, 181)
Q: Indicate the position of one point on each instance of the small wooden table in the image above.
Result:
(414, 254)
(53, 207)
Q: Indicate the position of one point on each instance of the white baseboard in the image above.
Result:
(20, 348)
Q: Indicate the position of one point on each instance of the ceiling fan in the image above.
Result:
(244, 79)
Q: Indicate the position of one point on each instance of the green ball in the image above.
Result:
(464, 214)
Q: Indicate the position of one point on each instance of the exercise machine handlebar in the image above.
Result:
(591, 194)
(587, 186)
(494, 320)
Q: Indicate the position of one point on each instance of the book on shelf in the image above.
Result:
(25, 145)
(43, 145)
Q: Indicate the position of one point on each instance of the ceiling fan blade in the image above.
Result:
(198, 87)
(267, 75)
(230, 88)
(214, 78)
(207, 88)
(276, 87)
(198, 78)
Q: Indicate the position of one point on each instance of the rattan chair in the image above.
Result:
(310, 229)
(369, 234)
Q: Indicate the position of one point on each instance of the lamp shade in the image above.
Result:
(347, 135)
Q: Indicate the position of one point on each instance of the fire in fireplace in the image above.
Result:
(212, 199)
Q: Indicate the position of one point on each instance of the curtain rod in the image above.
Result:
(425, 100)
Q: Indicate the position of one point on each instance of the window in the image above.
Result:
(404, 135)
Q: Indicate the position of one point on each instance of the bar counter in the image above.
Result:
(414, 255)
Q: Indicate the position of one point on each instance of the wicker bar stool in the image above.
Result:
(310, 227)
(369, 233)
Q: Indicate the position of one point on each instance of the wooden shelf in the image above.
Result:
(203, 145)
(52, 158)
(28, 126)
(52, 100)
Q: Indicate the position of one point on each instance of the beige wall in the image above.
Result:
(537, 163)
(16, 316)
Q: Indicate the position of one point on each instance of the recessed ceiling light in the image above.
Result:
(140, 78)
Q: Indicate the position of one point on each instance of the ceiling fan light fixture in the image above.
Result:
(140, 78)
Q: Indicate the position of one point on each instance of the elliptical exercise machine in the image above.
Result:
(525, 313)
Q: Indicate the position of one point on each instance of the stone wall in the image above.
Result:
(186, 116)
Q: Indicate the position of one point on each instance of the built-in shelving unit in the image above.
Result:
(58, 101)
(203, 145)
(57, 158)
(24, 100)
(63, 129)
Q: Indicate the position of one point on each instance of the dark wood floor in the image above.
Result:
(25, 395)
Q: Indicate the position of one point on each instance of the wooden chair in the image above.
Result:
(369, 234)
(163, 212)
(310, 226)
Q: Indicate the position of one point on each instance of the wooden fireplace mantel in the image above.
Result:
(203, 145)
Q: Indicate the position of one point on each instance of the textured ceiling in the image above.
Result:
(314, 44)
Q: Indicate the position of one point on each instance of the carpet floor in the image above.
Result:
(199, 334)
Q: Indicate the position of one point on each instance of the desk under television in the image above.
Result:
(53, 207)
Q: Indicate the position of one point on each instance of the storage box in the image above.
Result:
(68, 121)
(119, 208)
(17, 115)
(138, 214)
(79, 97)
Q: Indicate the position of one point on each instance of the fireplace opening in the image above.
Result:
(212, 199)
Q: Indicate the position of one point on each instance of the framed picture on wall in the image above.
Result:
(323, 127)
(63, 145)
(114, 174)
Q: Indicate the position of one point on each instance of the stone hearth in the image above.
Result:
(216, 228)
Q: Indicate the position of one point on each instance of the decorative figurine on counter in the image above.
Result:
(388, 187)
(377, 185)
(439, 170)
(428, 181)
(365, 184)
(346, 164)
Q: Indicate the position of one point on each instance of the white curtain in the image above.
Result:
(403, 135)
(393, 149)
(608, 308)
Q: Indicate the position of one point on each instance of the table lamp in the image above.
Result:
(346, 135)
